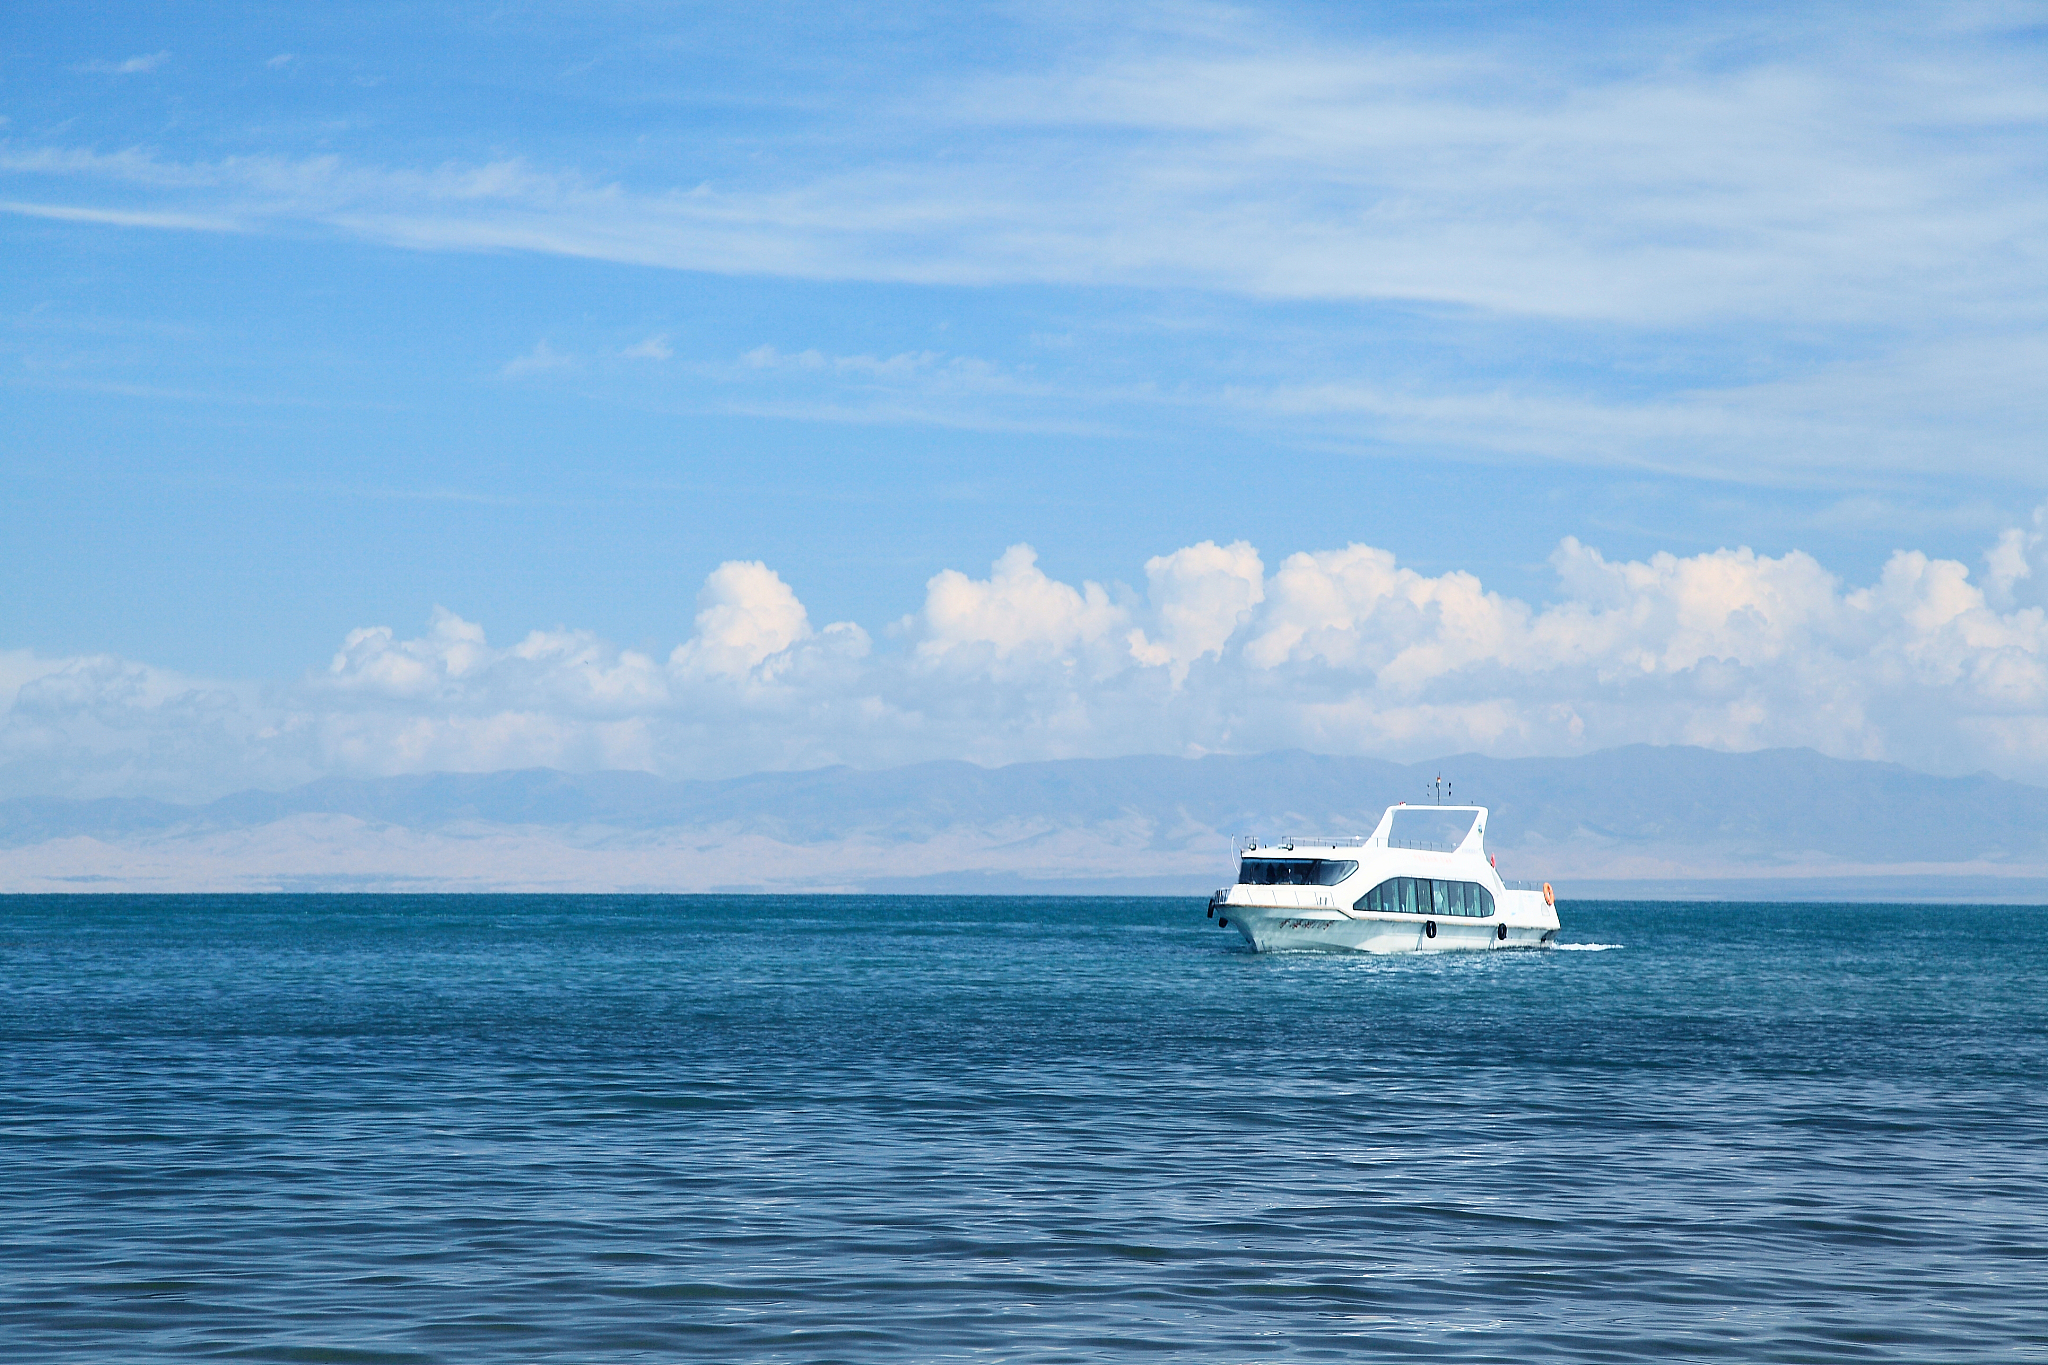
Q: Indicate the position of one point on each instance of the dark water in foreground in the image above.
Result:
(606, 1129)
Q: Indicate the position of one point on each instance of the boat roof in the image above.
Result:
(1457, 836)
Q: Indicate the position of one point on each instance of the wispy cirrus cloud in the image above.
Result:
(909, 388)
(1953, 403)
(139, 218)
(655, 347)
(1783, 252)
(1817, 183)
(540, 360)
(129, 66)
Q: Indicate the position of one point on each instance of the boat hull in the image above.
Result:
(1284, 929)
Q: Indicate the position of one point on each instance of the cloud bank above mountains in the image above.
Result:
(1340, 651)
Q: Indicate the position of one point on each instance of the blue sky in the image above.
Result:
(323, 319)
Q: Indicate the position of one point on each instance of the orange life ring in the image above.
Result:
(1549, 896)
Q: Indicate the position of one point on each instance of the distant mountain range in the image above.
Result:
(1636, 821)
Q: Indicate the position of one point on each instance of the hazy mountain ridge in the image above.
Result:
(1634, 813)
(1785, 798)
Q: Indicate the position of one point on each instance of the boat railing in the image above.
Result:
(1289, 842)
(1521, 886)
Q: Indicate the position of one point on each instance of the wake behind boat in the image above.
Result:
(1420, 882)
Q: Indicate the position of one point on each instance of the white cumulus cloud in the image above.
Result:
(1015, 616)
(1202, 594)
(1338, 650)
(746, 614)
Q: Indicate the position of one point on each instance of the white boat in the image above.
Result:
(1420, 882)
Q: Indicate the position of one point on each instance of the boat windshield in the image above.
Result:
(1430, 827)
(1294, 871)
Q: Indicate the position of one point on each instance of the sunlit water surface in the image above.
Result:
(489, 1129)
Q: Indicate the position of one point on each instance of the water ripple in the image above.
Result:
(828, 1129)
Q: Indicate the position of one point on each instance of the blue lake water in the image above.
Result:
(484, 1129)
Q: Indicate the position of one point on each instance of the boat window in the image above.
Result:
(1425, 896)
(1294, 871)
